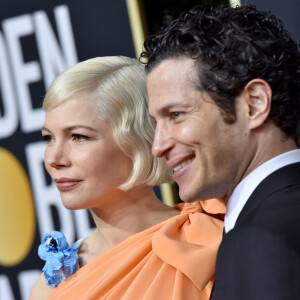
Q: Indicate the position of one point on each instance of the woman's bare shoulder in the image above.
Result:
(40, 290)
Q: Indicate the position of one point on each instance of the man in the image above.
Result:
(224, 89)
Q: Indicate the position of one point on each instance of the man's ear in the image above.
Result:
(258, 97)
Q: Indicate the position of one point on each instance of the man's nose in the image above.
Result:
(162, 141)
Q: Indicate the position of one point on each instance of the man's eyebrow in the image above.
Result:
(163, 109)
(166, 108)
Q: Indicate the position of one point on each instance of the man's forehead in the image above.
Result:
(170, 83)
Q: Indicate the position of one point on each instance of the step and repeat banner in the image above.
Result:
(38, 40)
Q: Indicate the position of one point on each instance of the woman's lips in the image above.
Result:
(67, 184)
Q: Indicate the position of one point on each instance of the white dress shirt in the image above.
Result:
(245, 188)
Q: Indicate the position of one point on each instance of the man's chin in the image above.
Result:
(189, 196)
(186, 197)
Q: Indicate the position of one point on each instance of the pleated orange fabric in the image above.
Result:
(173, 260)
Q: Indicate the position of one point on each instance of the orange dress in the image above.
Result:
(172, 260)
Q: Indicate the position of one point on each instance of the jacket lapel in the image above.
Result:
(285, 176)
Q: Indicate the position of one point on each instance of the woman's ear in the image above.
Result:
(258, 97)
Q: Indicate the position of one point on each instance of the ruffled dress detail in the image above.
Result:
(172, 260)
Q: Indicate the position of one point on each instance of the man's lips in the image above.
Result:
(180, 168)
(65, 184)
(176, 166)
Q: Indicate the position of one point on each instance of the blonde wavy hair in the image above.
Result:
(117, 84)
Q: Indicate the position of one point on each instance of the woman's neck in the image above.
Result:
(128, 213)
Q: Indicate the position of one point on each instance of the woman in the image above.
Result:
(99, 136)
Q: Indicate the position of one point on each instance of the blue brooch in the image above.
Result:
(61, 260)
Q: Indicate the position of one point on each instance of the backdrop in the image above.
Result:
(38, 40)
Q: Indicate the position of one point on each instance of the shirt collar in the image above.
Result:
(244, 189)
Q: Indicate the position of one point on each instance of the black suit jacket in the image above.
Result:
(260, 257)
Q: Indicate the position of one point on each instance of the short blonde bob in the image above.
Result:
(118, 86)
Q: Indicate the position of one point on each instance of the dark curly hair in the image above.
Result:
(232, 46)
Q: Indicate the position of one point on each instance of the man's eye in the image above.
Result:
(175, 115)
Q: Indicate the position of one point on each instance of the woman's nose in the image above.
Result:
(57, 155)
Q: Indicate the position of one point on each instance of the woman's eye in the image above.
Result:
(79, 137)
(47, 138)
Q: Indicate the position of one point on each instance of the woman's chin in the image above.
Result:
(72, 206)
